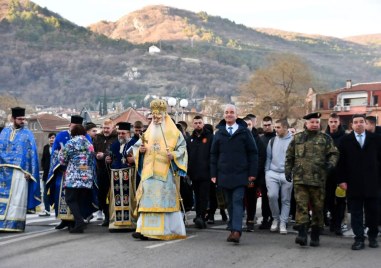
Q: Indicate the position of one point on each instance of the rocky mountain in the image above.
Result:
(46, 59)
(369, 40)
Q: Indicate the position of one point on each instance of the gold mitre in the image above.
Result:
(158, 106)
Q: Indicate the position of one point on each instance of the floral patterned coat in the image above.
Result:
(78, 156)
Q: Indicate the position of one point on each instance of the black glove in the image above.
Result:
(288, 177)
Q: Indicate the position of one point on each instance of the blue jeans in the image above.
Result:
(234, 199)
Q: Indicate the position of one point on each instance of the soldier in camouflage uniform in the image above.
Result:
(309, 156)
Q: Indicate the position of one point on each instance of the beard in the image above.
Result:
(122, 141)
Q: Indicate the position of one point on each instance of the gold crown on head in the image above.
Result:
(158, 106)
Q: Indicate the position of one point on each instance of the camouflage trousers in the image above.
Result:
(312, 196)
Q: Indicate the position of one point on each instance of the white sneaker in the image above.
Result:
(282, 228)
(274, 226)
(44, 213)
(99, 215)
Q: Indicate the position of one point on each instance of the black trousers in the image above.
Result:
(213, 204)
(266, 211)
(330, 199)
(292, 205)
(339, 211)
(250, 203)
(104, 188)
(201, 190)
(358, 207)
(76, 198)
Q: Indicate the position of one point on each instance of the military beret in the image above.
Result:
(312, 115)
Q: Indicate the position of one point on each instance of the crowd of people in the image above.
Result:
(135, 176)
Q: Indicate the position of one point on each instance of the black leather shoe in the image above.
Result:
(138, 235)
(223, 215)
(210, 219)
(62, 225)
(78, 229)
(373, 243)
(357, 245)
(265, 225)
(200, 224)
(339, 232)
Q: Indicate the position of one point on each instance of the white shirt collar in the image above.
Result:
(234, 127)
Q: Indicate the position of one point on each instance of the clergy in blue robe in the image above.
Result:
(56, 177)
(123, 183)
(19, 173)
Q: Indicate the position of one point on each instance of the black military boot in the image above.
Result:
(301, 239)
(315, 233)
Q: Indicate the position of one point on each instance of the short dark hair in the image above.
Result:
(179, 127)
(358, 115)
(90, 125)
(251, 116)
(209, 127)
(371, 119)
(78, 130)
(138, 124)
(246, 118)
(51, 134)
(197, 117)
(334, 115)
(183, 124)
(267, 118)
(282, 122)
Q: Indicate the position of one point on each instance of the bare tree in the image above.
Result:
(278, 89)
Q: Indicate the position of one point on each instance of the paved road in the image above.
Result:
(43, 246)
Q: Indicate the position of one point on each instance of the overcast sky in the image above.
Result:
(340, 18)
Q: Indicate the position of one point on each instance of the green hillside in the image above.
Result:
(46, 59)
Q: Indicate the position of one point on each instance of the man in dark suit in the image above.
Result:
(45, 163)
(359, 174)
(233, 164)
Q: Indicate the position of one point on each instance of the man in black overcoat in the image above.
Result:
(359, 173)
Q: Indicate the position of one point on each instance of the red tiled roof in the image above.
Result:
(129, 115)
(50, 122)
(357, 87)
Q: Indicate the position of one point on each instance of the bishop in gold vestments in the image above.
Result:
(161, 157)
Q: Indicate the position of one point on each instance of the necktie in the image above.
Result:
(230, 130)
(360, 139)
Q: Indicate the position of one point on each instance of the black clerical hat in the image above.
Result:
(123, 126)
(312, 115)
(18, 112)
(76, 119)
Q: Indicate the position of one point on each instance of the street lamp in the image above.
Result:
(172, 102)
(183, 105)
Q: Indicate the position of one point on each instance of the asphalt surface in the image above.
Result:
(43, 246)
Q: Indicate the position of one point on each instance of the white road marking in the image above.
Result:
(26, 236)
(170, 242)
(41, 219)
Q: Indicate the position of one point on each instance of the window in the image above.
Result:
(331, 103)
(321, 104)
(375, 100)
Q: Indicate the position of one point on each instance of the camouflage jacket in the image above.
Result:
(308, 157)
